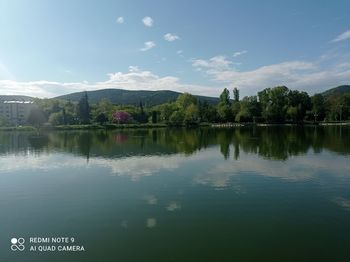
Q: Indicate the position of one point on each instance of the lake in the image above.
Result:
(205, 194)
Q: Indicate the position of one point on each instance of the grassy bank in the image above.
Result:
(159, 125)
(18, 128)
(108, 126)
(308, 123)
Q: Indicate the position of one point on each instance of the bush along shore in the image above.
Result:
(162, 125)
(278, 105)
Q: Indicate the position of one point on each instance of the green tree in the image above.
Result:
(142, 116)
(36, 117)
(235, 94)
(101, 118)
(191, 114)
(318, 107)
(224, 106)
(274, 103)
(185, 100)
(166, 110)
(292, 113)
(298, 104)
(207, 113)
(225, 97)
(338, 107)
(248, 109)
(154, 117)
(83, 109)
(177, 117)
(56, 119)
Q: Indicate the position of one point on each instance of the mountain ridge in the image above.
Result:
(147, 97)
(342, 89)
(133, 97)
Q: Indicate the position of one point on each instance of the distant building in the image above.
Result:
(15, 110)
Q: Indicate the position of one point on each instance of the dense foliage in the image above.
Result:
(271, 105)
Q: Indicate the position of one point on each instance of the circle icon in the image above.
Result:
(17, 244)
(14, 241)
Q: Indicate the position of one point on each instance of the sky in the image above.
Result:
(50, 48)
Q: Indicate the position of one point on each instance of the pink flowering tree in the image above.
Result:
(121, 117)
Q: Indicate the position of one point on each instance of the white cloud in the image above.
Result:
(303, 75)
(179, 52)
(147, 21)
(216, 63)
(315, 76)
(342, 37)
(240, 53)
(133, 79)
(170, 37)
(148, 45)
(120, 20)
(134, 68)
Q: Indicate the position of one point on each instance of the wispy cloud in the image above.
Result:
(147, 21)
(133, 79)
(342, 37)
(310, 76)
(170, 37)
(303, 75)
(216, 63)
(148, 45)
(180, 53)
(240, 53)
(120, 20)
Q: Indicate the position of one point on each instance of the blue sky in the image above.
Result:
(48, 48)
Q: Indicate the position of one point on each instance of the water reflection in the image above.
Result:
(278, 143)
(140, 153)
(173, 206)
(151, 200)
(177, 191)
(151, 222)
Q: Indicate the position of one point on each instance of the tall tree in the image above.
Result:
(225, 97)
(142, 117)
(235, 94)
(274, 103)
(83, 110)
(318, 107)
(184, 100)
(224, 106)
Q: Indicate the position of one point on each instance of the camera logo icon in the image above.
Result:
(17, 244)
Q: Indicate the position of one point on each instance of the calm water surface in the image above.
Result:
(244, 194)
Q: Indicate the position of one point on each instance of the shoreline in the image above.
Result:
(150, 126)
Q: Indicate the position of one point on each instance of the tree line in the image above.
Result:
(271, 105)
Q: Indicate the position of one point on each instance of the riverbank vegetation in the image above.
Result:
(271, 105)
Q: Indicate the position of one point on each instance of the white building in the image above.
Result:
(15, 110)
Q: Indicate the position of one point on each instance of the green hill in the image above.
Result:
(337, 90)
(129, 97)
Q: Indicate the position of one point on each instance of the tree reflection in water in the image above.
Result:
(275, 142)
